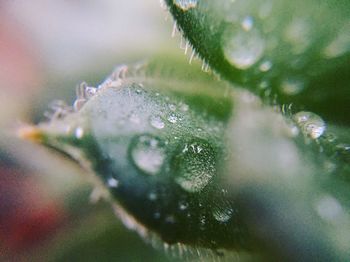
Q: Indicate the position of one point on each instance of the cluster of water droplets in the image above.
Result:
(159, 120)
(186, 4)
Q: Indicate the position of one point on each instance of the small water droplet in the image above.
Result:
(183, 205)
(112, 182)
(134, 118)
(329, 209)
(170, 219)
(79, 132)
(157, 122)
(186, 4)
(222, 214)
(194, 166)
(156, 215)
(242, 48)
(172, 107)
(292, 86)
(202, 222)
(184, 107)
(310, 124)
(298, 34)
(172, 118)
(148, 154)
(265, 66)
(340, 45)
(247, 23)
(152, 196)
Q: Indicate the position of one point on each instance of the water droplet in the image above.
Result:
(202, 222)
(184, 107)
(340, 45)
(170, 219)
(292, 86)
(194, 166)
(222, 214)
(90, 91)
(186, 4)
(310, 124)
(112, 182)
(243, 48)
(79, 132)
(265, 66)
(157, 122)
(247, 23)
(329, 209)
(172, 118)
(152, 196)
(148, 154)
(134, 118)
(183, 205)
(298, 34)
(172, 107)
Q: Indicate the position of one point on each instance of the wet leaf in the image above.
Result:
(293, 51)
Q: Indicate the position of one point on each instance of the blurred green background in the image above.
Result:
(47, 47)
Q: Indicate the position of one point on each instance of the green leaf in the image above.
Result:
(297, 50)
(194, 161)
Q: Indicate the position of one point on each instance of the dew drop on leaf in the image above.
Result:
(79, 132)
(242, 48)
(247, 23)
(222, 214)
(339, 45)
(329, 209)
(148, 154)
(265, 66)
(157, 122)
(172, 118)
(310, 124)
(194, 166)
(112, 182)
(292, 86)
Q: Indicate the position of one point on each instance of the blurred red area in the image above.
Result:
(28, 214)
(18, 63)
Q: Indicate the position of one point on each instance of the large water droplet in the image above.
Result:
(157, 122)
(310, 124)
(194, 166)
(243, 48)
(148, 154)
(186, 4)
